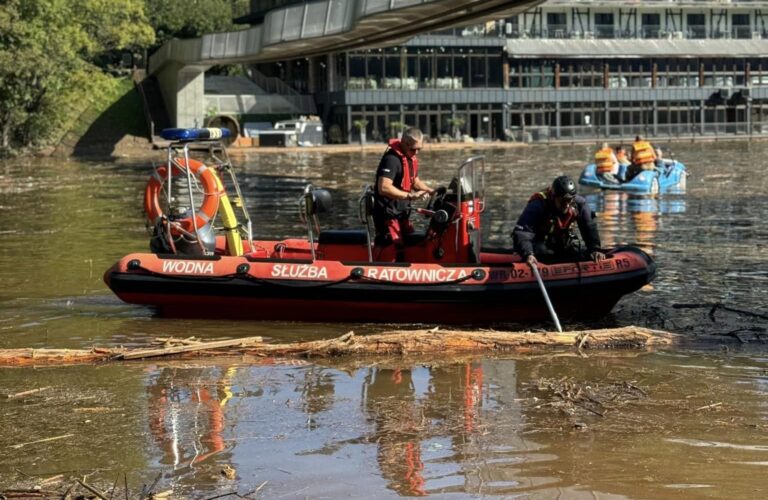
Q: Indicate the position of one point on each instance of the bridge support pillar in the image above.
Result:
(183, 89)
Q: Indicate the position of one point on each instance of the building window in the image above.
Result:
(740, 26)
(651, 25)
(604, 27)
(697, 26)
(461, 70)
(557, 25)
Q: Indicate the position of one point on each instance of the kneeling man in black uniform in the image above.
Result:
(546, 229)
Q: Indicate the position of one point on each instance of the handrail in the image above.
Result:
(270, 84)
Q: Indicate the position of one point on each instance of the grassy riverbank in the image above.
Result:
(105, 119)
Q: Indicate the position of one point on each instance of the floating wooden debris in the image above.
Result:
(45, 440)
(27, 393)
(398, 343)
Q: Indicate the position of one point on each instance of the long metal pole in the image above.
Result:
(546, 298)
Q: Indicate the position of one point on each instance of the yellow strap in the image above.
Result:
(227, 389)
(229, 220)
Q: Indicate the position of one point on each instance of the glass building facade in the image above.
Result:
(563, 71)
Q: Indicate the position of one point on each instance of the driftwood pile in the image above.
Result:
(394, 343)
(571, 397)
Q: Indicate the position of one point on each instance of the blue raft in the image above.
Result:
(668, 179)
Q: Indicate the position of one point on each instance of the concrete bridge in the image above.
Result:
(304, 29)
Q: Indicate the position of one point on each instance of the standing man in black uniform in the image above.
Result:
(545, 229)
(397, 184)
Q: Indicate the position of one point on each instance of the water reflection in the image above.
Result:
(468, 428)
(181, 402)
(317, 391)
(626, 218)
(413, 409)
(390, 403)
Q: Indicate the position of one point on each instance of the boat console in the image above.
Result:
(452, 235)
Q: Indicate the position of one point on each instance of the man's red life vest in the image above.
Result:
(557, 225)
(409, 174)
(604, 161)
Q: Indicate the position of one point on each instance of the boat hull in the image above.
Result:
(333, 291)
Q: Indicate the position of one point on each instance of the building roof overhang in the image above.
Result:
(328, 26)
(634, 48)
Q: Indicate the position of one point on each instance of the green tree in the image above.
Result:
(113, 25)
(46, 47)
(183, 19)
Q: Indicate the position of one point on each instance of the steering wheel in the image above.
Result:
(436, 199)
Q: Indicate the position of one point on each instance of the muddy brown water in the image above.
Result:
(685, 423)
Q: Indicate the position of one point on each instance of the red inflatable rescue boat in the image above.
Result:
(342, 275)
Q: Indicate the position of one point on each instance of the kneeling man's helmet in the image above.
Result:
(564, 187)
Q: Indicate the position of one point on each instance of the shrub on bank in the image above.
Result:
(47, 75)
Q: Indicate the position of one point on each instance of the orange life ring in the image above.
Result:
(211, 189)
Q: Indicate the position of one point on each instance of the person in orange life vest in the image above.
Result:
(397, 185)
(606, 164)
(545, 228)
(643, 157)
(643, 153)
